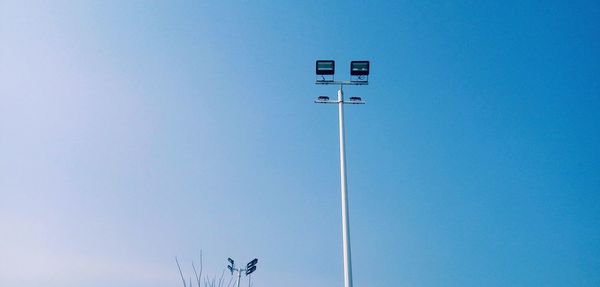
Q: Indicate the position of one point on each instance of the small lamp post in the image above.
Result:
(250, 268)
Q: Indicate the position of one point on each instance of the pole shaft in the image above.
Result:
(239, 277)
(345, 219)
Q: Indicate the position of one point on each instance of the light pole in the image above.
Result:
(250, 268)
(359, 75)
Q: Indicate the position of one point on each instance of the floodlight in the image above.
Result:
(230, 260)
(250, 270)
(359, 68)
(252, 263)
(325, 67)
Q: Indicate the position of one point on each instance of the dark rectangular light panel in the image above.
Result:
(325, 67)
(359, 68)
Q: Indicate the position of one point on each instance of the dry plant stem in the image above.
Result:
(180, 273)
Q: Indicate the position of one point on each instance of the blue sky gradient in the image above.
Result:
(134, 131)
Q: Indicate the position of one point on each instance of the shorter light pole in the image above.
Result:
(250, 268)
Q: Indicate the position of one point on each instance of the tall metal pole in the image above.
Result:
(345, 219)
(239, 277)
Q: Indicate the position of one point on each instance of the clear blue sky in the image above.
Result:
(134, 131)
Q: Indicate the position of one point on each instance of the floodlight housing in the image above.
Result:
(250, 270)
(359, 68)
(252, 263)
(325, 67)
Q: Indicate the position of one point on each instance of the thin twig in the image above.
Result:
(234, 281)
(221, 279)
(180, 273)
(201, 264)
(195, 273)
(230, 279)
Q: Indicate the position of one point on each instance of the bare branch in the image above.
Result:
(196, 274)
(200, 268)
(180, 273)
(235, 279)
(230, 279)
(221, 279)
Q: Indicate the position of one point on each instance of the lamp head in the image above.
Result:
(359, 68)
(325, 67)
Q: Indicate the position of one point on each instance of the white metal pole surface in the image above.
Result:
(345, 219)
(239, 277)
